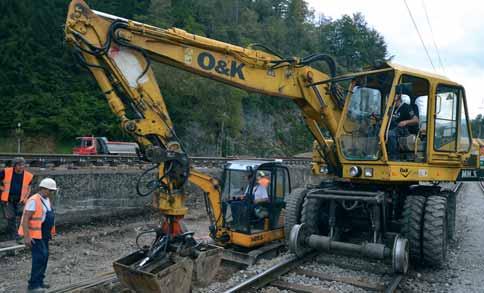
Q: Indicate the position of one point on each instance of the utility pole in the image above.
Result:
(19, 132)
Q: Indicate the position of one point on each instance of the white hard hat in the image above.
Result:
(48, 183)
(405, 99)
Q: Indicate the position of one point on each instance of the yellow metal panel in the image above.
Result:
(258, 239)
(401, 172)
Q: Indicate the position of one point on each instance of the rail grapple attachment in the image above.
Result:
(173, 275)
(170, 274)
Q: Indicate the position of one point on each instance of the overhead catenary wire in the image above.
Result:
(419, 34)
(433, 37)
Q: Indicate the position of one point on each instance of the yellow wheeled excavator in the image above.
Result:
(384, 189)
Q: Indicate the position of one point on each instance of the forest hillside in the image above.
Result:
(56, 100)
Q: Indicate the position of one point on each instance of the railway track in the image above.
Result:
(481, 185)
(273, 276)
(293, 274)
(106, 278)
(55, 160)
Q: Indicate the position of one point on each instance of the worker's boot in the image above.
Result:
(45, 286)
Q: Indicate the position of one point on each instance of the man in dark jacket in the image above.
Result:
(404, 121)
(14, 190)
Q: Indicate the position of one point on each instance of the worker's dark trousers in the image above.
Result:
(393, 148)
(12, 211)
(40, 256)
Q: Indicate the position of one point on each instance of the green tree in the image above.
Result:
(353, 42)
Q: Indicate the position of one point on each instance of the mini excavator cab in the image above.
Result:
(253, 195)
(246, 183)
(252, 203)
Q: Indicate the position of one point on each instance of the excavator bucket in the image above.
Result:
(175, 274)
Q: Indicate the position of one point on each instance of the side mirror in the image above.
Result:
(404, 89)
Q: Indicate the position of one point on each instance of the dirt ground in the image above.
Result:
(81, 253)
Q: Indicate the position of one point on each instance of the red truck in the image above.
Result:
(90, 145)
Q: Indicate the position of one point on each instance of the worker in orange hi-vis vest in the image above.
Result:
(37, 227)
(14, 190)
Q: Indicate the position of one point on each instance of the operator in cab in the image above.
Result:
(261, 195)
(404, 122)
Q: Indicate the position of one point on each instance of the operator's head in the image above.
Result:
(402, 99)
(48, 186)
(18, 164)
(405, 99)
(263, 178)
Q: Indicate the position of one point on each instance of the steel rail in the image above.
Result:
(271, 275)
(266, 277)
(77, 287)
(481, 185)
(62, 159)
(457, 187)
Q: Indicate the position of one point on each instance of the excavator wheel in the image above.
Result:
(413, 212)
(434, 244)
(311, 215)
(294, 204)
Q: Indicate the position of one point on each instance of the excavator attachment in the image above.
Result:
(171, 274)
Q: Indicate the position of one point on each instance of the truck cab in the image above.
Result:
(87, 145)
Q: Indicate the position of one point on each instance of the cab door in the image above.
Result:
(281, 185)
(451, 135)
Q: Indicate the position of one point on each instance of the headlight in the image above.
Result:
(355, 171)
(323, 169)
(368, 172)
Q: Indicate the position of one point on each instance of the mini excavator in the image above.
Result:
(391, 203)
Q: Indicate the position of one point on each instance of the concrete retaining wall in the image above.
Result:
(89, 194)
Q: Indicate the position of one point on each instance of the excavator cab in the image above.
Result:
(398, 114)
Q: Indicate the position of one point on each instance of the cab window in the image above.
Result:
(281, 184)
(451, 122)
(362, 120)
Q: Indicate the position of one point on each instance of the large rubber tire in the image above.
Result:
(434, 244)
(451, 213)
(413, 213)
(292, 215)
(310, 215)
